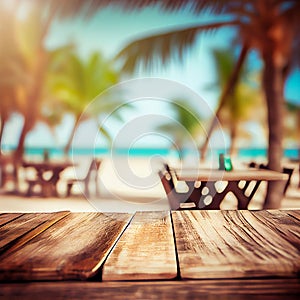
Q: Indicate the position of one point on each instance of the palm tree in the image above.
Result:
(35, 28)
(189, 124)
(30, 36)
(241, 105)
(11, 75)
(33, 32)
(293, 126)
(75, 82)
(271, 27)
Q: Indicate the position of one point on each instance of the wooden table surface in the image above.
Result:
(178, 254)
(193, 174)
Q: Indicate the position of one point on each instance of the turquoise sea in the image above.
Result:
(146, 152)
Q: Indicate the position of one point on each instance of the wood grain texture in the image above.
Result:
(294, 213)
(146, 250)
(25, 228)
(190, 174)
(283, 223)
(73, 248)
(231, 244)
(21, 227)
(271, 289)
(7, 217)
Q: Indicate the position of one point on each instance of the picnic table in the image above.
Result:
(165, 254)
(47, 175)
(243, 183)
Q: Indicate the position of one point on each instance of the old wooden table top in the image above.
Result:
(182, 254)
(194, 174)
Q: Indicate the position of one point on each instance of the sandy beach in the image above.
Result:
(127, 185)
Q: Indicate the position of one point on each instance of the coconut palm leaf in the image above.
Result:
(106, 134)
(186, 115)
(240, 105)
(291, 106)
(226, 92)
(189, 122)
(79, 85)
(69, 8)
(164, 46)
(292, 122)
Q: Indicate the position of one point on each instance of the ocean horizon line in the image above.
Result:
(290, 152)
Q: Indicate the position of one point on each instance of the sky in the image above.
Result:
(109, 31)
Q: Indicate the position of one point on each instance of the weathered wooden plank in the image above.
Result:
(282, 223)
(194, 174)
(271, 289)
(73, 248)
(20, 226)
(7, 217)
(294, 213)
(230, 244)
(21, 230)
(146, 250)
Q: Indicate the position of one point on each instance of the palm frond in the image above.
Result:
(295, 56)
(291, 106)
(87, 8)
(187, 122)
(164, 46)
(57, 58)
(186, 114)
(105, 133)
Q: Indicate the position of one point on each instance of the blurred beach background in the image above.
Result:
(117, 195)
(138, 84)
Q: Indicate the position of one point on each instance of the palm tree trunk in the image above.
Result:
(273, 80)
(298, 130)
(34, 98)
(2, 125)
(233, 134)
(15, 179)
(31, 114)
(226, 92)
(69, 143)
(34, 93)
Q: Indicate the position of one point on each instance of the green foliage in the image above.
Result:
(247, 16)
(242, 102)
(76, 85)
(187, 122)
(76, 82)
(163, 47)
(292, 121)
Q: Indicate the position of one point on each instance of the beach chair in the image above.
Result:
(93, 170)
